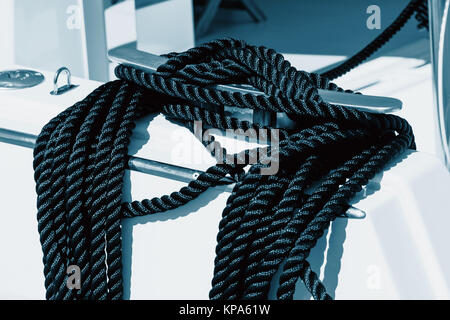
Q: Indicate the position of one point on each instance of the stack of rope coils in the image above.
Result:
(81, 155)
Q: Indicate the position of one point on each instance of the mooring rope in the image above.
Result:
(81, 155)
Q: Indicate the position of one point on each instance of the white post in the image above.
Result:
(164, 25)
(94, 37)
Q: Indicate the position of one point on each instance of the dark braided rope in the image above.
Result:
(274, 223)
(282, 240)
(79, 167)
(98, 199)
(81, 235)
(306, 241)
(227, 263)
(43, 160)
(115, 177)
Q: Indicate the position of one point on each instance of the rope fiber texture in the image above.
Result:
(270, 222)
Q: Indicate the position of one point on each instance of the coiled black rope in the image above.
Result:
(81, 155)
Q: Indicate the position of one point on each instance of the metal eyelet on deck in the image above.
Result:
(69, 86)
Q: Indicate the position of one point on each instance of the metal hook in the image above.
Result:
(69, 86)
